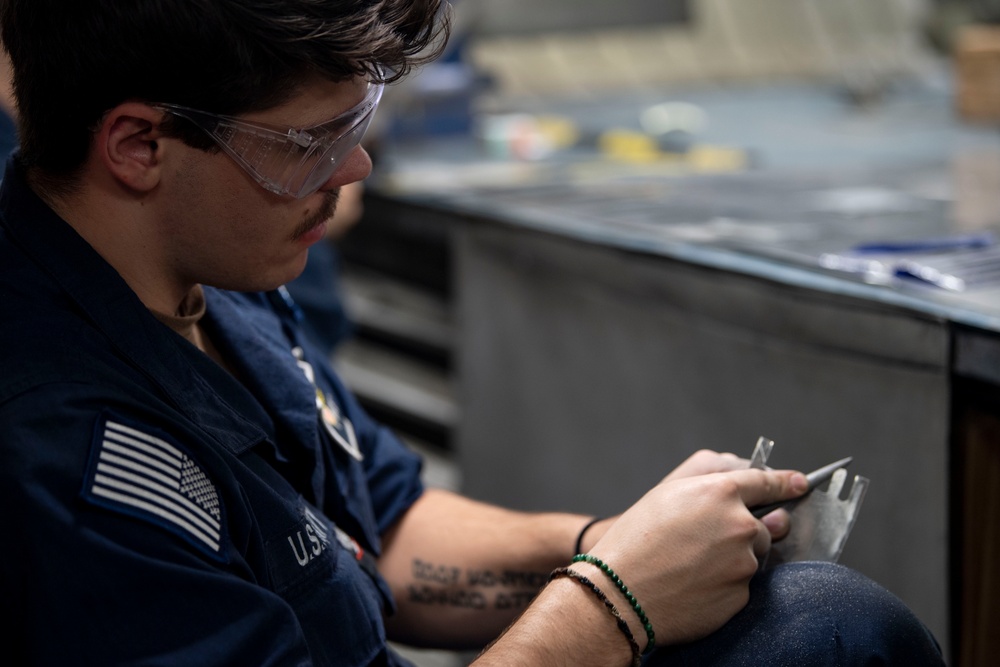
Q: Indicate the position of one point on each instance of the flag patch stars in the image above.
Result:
(148, 477)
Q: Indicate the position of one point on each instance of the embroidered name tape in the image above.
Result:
(152, 478)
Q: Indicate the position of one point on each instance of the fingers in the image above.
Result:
(706, 461)
(762, 541)
(760, 487)
(778, 523)
(728, 461)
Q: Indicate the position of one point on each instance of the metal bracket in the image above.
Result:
(821, 521)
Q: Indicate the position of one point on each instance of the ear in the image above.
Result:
(128, 145)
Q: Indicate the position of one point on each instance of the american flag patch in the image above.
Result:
(147, 476)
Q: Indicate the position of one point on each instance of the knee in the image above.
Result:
(843, 615)
(817, 614)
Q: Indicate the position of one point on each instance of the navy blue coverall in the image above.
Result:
(156, 510)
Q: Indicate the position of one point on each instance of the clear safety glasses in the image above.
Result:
(285, 160)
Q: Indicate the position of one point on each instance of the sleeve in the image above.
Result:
(95, 585)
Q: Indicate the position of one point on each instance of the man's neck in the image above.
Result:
(124, 235)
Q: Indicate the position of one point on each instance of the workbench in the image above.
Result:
(611, 318)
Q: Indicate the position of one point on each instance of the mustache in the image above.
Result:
(326, 209)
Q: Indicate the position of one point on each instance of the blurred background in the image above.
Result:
(602, 235)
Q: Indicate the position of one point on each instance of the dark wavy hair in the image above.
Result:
(73, 60)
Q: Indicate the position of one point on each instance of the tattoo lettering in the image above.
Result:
(439, 574)
(473, 589)
(447, 598)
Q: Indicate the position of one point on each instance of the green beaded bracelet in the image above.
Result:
(622, 625)
(606, 569)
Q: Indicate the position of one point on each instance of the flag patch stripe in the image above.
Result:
(163, 445)
(159, 494)
(138, 446)
(136, 461)
(147, 473)
(153, 509)
(119, 462)
(167, 508)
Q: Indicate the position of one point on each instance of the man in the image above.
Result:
(187, 482)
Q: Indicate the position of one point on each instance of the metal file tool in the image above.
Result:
(815, 478)
(821, 520)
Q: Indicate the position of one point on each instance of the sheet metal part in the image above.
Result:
(821, 521)
(815, 478)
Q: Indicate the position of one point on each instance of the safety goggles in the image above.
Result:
(286, 160)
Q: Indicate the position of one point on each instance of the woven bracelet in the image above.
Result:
(578, 547)
(622, 625)
(606, 569)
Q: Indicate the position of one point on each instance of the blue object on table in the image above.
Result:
(940, 244)
(956, 263)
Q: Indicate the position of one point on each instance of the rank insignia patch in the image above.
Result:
(149, 477)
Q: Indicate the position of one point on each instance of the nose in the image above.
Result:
(357, 165)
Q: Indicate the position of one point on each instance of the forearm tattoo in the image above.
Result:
(445, 585)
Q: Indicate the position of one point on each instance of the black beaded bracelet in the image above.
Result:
(606, 569)
(578, 547)
(622, 625)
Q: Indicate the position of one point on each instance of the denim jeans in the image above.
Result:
(815, 615)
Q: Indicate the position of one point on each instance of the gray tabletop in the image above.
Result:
(828, 193)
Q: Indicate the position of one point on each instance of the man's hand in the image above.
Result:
(689, 547)
(702, 462)
(706, 461)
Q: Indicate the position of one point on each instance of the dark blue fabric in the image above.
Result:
(8, 138)
(95, 582)
(317, 292)
(815, 614)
